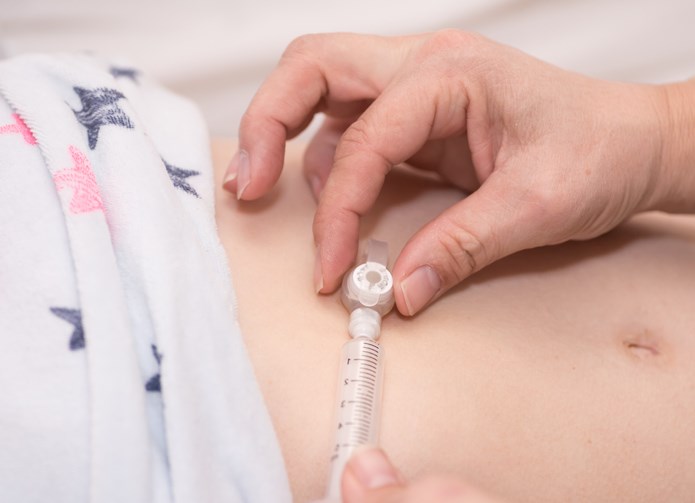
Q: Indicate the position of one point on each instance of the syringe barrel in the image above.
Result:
(358, 408)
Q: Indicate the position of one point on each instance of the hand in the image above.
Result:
(546, 155)
(369, 477)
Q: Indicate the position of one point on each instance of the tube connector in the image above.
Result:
(365, 322)
(368, 292)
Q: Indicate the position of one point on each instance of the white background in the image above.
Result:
(218, 52)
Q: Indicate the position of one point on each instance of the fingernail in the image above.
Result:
(232, 170)
(372, 469)
(243, 173)
(419, 288)
(315, 183)
(318, 272)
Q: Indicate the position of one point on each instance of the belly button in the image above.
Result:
(640, 350)
(642, 345)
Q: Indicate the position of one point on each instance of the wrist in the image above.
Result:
(676, 170)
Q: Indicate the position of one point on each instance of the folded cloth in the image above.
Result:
(123, 374)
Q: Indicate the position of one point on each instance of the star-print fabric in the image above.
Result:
(123, 374)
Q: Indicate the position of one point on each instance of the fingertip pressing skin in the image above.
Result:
(311, 69)
(336, 248)
(255, 167)
(318, 272)
(381, 137)
(417, 290)
(238, 174)
(531, 157)
(365, 154)
(462, 240)
(281, 108)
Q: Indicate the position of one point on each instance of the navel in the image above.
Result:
(644, 344)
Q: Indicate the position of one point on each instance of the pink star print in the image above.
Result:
(81, 179)
(19, 127)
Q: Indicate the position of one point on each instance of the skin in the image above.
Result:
(561, 373)
(371, 478)
(548, 155)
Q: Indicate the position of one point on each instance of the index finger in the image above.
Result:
(335, 73)
(409, 112)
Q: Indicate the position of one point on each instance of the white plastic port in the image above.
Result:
(370, 284)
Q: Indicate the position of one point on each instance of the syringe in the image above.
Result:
(368, 295)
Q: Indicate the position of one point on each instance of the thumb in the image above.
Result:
(496, 220)
(370, 477)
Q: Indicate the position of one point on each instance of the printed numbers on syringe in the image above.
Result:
(357, 403)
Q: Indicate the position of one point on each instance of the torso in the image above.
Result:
(558, 374)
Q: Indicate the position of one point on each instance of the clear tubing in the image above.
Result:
(358, 407)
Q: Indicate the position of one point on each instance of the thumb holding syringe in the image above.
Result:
(370, 477)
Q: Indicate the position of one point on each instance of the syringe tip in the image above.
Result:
(365, 322)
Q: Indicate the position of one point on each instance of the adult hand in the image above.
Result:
(547, 155)
(369, 477)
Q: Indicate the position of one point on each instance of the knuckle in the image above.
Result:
(547, 203)
(301, 46)
(447, 40)
(551, 209)
(356, 137)
(359, 132)
(458, 57)
(248, 118)
(464, 252)
(360, 138)
(254, 122)
(544, 196)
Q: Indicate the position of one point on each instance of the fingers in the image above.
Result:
(370, 477)
(319, 154)
(334, 73)
(386, 134)
(493, 222)
(451, 159)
